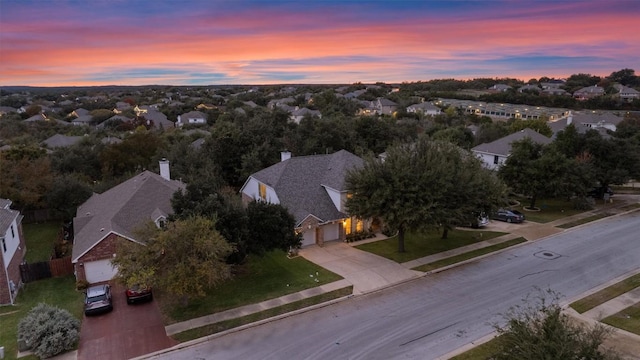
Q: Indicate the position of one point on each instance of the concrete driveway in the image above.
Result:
(128, 331)
(364, 270)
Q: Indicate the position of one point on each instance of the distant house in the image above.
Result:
(588, 92)
(500, 87)
(79, 112)
(584, 122)
(114, 216)
(82, 120)
(425, 108)
(529, 88)
(272, 104)
(380, 106)
(61, 141)
(157, 119)
(192, 117)
(313, 190)
(627, 93)
(13, 250)
(495, 153)
(299, 113)
(7, 110)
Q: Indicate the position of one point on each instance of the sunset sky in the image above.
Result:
(193, 42)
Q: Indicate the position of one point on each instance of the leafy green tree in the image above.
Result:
(411, 189)
(539, 329)
(458, 135)
(25, 181)
(270, 226)
(625, 77)
(49, 330)
(66, 194)
(133, 154)
(186, 259)
(535, 171)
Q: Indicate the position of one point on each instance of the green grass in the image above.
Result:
(550, 210)
(39, 239)
(229, 324)
(630, 207)
(262, 278)
(584, 221)
(59, 292)
(606, 294)
(469, 255)
(421, 245)
(484, 351)
(627, 319)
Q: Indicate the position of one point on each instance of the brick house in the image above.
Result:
(104, 219)
(13, 250)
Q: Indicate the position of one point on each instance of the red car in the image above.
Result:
(138, 293)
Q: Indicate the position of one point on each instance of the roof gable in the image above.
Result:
(502, 146)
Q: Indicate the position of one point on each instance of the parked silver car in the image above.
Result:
(98, 299)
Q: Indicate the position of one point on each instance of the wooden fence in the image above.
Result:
(46, 269)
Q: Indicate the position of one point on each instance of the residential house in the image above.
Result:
(588, 92)
(61, 141)
(380, 106)
(82, 120)
(79, 112)
(552, 84)
(272, 104)
(313, 190)
(7, 110)
(495, 153)
(627, 93)
(299, 113)
(104, 219)
(192, 117)
(425, 108)
(500, 87)
(13, 250)
(157, 119)
(555, 91)
(583, 122)
(529, 88)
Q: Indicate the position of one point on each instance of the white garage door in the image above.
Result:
(101, 270)
(309, 237)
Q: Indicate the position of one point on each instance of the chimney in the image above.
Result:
(164, 169)
(285, 155)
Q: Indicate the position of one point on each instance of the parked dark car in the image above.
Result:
(138, 293)
(510, 216)
(600, 192)
(98, 300)
(477, 220)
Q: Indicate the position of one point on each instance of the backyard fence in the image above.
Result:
(46, 269)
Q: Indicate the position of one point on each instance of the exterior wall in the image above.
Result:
(251, 192)
(104, 250)
(10, 266)
(336, 198)
(308, 230)
(488, 160)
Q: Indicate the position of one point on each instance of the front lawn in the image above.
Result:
(39, 239)
(550, 209)
(606, 294)
(60, 292)
(419, 245)
(262, 278)
(627, 319)
(485, 351)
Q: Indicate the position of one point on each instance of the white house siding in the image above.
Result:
(335, 198)
(489, 159)
(331, 232)
(11, 241)
(251, 190)
(309, 237)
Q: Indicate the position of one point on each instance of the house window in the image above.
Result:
(4, 244)
(359, 225)
(262, 191)
(495, 159)
(347, 226)
(162, 223)
(13, 235)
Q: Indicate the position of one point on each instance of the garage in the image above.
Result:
(100, 270)
(309, 237)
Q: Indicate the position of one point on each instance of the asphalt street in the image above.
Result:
(436, 314)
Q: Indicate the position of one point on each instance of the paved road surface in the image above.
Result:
(436, 314)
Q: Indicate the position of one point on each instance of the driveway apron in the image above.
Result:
(126, 332)
(364, 270)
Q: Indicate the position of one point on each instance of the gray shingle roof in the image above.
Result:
(6, 216)
(59, 140)
(122, 209)
(300, 183)
(502, 146)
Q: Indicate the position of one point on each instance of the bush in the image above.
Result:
(583, 203)
(49, 330)
(82, 285)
